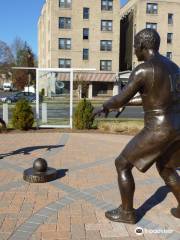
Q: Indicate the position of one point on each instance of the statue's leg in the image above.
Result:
(3, 124)
(125, 182)
(172, 179)
(125, 213)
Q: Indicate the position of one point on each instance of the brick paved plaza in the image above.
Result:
(72, 207)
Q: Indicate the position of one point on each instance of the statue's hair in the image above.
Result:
(148, 39)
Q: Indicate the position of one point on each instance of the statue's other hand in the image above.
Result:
(98, 111)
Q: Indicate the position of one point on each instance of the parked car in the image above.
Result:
(7, 86)
(31, 97)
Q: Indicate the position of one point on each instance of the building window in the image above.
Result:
(85, 13)
(170, 18)
(106, 45)
(85, 33)
(65, 22)
(103, 89)
(105, 65)
(169, 37)
(107, 5)
(152, 8)
(65, 3)
(169, 55)
(99, 88)
(64, 63)
(151, 25)
(64, 43)
(85, 53)
(106, 25)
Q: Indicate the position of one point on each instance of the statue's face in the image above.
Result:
(139, 53)
(138, 50)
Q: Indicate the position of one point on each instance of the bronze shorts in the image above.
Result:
(153, 143)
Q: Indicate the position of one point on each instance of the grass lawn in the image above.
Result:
(125, 125)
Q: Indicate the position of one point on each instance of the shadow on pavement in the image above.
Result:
(154, 200)
(61, 173)
(28, 150)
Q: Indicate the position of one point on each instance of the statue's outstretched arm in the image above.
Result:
(136, 82)
(135, 101)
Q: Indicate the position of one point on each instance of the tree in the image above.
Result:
(24, 58)
(81, 85)
(19, 55)
(19, 44)
(6, 58)
(16, 46)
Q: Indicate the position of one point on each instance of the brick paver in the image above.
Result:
(72, 207)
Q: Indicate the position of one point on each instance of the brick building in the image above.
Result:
(99, 34)
(82, 34)
(162, 15)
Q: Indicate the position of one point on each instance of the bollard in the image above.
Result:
(44, 112)
(5, 113)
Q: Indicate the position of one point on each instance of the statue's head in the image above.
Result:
(146, 39)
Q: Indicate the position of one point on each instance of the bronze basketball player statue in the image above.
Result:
(157, 80)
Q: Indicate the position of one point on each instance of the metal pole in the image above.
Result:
(71, 98)
(37, 98)
(29, 80)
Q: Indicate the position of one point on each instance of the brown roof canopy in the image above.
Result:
(89, 77)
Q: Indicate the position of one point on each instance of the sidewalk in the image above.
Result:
(73, 206)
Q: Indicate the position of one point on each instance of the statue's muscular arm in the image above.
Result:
(135, 83)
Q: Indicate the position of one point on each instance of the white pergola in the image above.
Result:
(67, 70)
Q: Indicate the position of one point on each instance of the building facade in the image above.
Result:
(99, 34)
(162, 15)
(81, 34)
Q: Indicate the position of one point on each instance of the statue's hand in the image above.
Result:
(120, 110)
(99, 111)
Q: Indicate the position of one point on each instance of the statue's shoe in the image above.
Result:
(176, 212)
(120, 215)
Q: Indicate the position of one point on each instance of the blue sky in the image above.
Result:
(18, 18)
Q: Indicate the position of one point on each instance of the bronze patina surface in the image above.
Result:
(40, 172)
(157, 80)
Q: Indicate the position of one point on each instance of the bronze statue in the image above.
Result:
(157, 80)
(2, 124)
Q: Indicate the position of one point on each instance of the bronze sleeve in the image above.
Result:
(134, 85)
(135, 101)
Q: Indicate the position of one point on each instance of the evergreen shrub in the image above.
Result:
(83, 115)
(23, 117)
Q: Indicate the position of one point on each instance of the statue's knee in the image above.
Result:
(169, 175)
(121, 163)
(159, 167)
(117, 162)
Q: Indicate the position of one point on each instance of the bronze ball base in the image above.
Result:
(33, 176)
(176, 212)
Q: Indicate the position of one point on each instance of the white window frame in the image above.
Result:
(106, 25)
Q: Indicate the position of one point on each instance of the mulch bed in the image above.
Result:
(67, 130)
